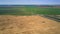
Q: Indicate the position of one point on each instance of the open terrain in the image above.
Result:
(29, 19)
(33, 24)
(29, 10)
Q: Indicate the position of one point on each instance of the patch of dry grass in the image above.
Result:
(28, 25)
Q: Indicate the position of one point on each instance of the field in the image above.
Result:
(29, 20)
(28, 25)
(29, 10)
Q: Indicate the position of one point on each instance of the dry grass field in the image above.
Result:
(28, 25)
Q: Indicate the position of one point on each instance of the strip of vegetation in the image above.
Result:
(29, 11)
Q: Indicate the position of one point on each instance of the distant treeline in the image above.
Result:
(29, 5)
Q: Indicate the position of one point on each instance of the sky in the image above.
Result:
(29, 2)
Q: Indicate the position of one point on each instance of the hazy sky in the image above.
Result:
(28, 2)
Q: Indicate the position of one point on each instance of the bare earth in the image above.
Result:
(28, 25)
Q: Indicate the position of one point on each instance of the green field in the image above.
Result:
(29, 11)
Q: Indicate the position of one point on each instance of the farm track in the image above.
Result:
(53, 17)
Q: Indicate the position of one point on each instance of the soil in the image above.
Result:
(28, 25)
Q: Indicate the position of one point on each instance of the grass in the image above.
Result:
(29, 11)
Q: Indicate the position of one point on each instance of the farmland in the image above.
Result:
(29, 10)
(29, 20)
(28, 25)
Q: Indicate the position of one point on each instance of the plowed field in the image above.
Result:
(28, 25)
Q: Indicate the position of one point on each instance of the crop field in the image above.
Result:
(28, 25)
(29, 20)
(29, 10)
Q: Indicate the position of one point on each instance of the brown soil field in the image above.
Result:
(28, 25)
